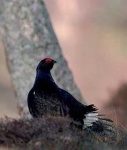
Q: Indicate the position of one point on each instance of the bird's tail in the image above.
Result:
(92, 117)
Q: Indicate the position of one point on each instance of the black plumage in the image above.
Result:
(47, 98)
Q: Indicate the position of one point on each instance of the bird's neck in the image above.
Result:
(42, 76)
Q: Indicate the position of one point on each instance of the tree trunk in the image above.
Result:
(28, 37)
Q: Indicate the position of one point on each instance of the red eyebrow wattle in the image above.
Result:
(48, 60)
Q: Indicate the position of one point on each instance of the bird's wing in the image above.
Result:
(32, 103)
(72, 102)
(86, 114)
(68, 99)
(75, 107)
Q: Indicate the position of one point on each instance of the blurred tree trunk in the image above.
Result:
(28, 37)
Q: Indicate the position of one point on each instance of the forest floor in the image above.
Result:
(56, 133)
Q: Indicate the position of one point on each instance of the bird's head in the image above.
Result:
(46, 64)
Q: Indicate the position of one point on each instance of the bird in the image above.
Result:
(47, 98)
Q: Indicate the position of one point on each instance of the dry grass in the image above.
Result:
(51, 133)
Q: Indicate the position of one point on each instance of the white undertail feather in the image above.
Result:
(89, 119)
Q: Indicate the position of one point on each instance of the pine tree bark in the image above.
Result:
(28, 37)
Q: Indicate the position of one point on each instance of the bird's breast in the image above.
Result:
(47, 103)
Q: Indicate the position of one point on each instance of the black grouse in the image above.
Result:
(47, 98)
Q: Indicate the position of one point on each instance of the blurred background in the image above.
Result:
(93, 37)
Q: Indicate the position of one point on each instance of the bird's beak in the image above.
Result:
(54, 61)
